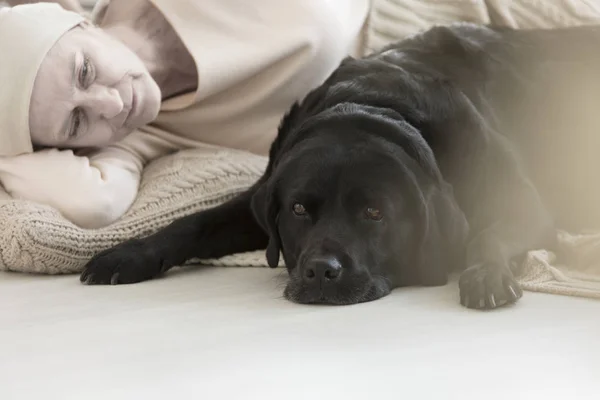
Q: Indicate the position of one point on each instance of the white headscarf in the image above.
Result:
(27, 33)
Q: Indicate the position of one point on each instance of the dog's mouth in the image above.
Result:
(341, 294)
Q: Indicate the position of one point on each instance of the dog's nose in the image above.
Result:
(326, 269)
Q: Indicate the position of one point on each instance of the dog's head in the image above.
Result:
(356, 204)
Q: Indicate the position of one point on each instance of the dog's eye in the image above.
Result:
(299, 209)
(374, 213)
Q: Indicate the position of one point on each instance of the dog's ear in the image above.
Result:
(444, 239)
(266, 211)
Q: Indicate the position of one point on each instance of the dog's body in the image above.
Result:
(462, 147)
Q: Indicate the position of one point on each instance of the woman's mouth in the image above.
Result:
(132, 107)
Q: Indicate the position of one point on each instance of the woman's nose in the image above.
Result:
(104, 101)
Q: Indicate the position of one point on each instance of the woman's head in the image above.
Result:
(70, 84)
(90, 90)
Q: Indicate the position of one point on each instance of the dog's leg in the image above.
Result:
(226, 229)
(503, 207)
(517, 222)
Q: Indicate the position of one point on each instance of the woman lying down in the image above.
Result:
(84, 107)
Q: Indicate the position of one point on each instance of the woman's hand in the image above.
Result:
(90, 195)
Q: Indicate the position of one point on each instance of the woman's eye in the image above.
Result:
(85, 72)
(75, 124)
(299, 209)
(374, 213)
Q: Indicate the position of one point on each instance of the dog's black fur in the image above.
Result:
(460, 148)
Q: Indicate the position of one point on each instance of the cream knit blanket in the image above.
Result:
(37, 239)
(579, 276)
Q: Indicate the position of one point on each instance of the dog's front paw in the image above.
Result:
(129, 262)
(488, 286)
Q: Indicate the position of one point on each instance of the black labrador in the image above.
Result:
(460, 148)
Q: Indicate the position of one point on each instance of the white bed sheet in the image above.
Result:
(226, 333)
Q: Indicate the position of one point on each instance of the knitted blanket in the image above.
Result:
(36, 238)
(575, 273)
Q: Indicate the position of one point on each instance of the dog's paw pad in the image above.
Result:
(488, 286)
(129, 262)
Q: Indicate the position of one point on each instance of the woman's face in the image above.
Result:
(91, 90)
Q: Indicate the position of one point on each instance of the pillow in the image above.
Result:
(527, 14)
(38, 239)
(393, 20)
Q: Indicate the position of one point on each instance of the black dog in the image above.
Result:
(462, 147)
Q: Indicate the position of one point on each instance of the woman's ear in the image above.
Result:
(444, 241)
(266, 211)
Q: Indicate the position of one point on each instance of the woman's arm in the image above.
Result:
(89, 192)
(92, 189)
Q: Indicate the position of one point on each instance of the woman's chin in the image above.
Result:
(153, 99)
(146, 103)
(153, 102)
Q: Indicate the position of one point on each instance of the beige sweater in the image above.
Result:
(254, 59)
